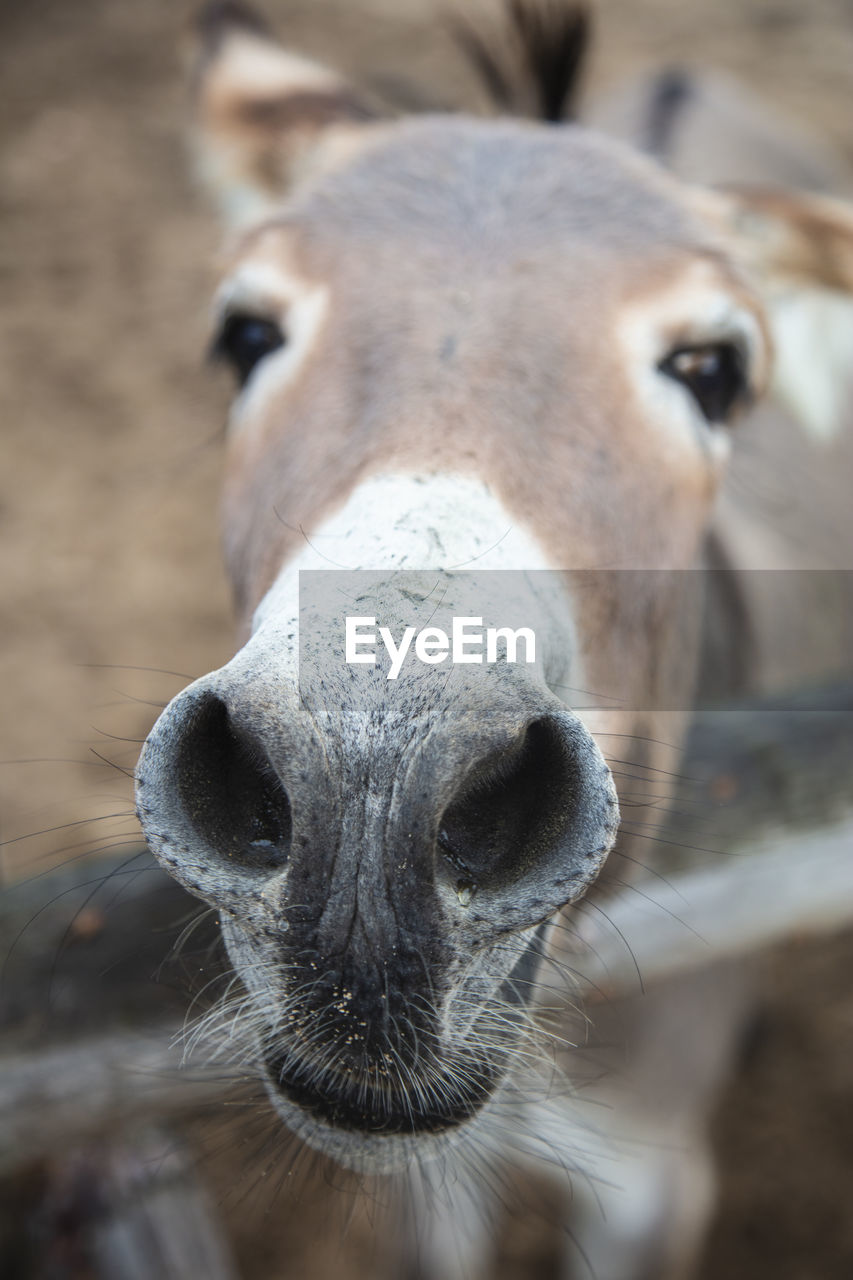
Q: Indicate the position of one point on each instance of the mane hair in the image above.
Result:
(546, 42)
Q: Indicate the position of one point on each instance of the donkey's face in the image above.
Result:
(461, 344)
(534, 308)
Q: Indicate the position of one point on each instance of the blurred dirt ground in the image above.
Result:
(109, 462)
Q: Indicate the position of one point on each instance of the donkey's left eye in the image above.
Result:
(715, 375)
(244, 340)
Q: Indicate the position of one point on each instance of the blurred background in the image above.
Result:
(112, 591)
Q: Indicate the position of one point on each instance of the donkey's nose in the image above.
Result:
(499, 814)
(212, 790)
(530, 823)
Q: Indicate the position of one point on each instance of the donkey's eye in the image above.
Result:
(244, 340)
(715, 375)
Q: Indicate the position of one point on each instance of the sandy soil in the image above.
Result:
(109, 467)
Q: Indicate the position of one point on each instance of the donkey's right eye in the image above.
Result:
(714, 374)
(244, 340)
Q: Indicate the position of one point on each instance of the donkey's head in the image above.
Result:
(459, 344)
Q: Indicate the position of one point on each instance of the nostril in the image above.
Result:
(230, 792)
(512, 812)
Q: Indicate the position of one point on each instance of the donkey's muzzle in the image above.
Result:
(381, 855)
(497, 816)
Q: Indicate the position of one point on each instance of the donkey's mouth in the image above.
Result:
(394, 1093)
(442, 1100)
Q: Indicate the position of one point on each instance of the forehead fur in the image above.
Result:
(482, 184)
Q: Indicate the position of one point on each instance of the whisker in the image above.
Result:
(63, 826)
(589, 903)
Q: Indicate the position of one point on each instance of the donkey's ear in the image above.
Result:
(263, 116)
(801, 249)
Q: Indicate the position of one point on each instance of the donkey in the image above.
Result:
(490, 370)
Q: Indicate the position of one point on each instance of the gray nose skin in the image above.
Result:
(382, 854)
